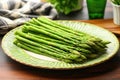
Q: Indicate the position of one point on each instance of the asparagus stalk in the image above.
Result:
(41, 31)
(79, 34)
(43, 35)
(40, 50)
(47, 26)
(55, 31)
(62, 27)
(61, 46)
(53, 35)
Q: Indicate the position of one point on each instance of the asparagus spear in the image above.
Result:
(43, 35)
(64, 57)
(47, 26)
(41, 40)
(58, 41)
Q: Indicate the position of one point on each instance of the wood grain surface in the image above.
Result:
(107, 24)
(109, 70)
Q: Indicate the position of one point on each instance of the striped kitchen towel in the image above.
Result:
(15, 12)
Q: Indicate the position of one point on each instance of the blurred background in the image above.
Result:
(83, 13)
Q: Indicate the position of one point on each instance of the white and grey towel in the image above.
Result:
(15, 12)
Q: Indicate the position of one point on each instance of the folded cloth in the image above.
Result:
(16, 12)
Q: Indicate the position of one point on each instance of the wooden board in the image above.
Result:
(106, 23)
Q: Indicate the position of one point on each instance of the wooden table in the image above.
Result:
(110, 70)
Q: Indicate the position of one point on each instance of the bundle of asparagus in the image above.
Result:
(47, 37)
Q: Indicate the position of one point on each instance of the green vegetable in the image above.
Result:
(70, 58)
(65, 6)
(47, 37)
(117, 2)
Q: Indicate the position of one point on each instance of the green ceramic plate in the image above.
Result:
(39, 61)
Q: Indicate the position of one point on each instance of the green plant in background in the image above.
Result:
(64, 6)
(117, 2)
